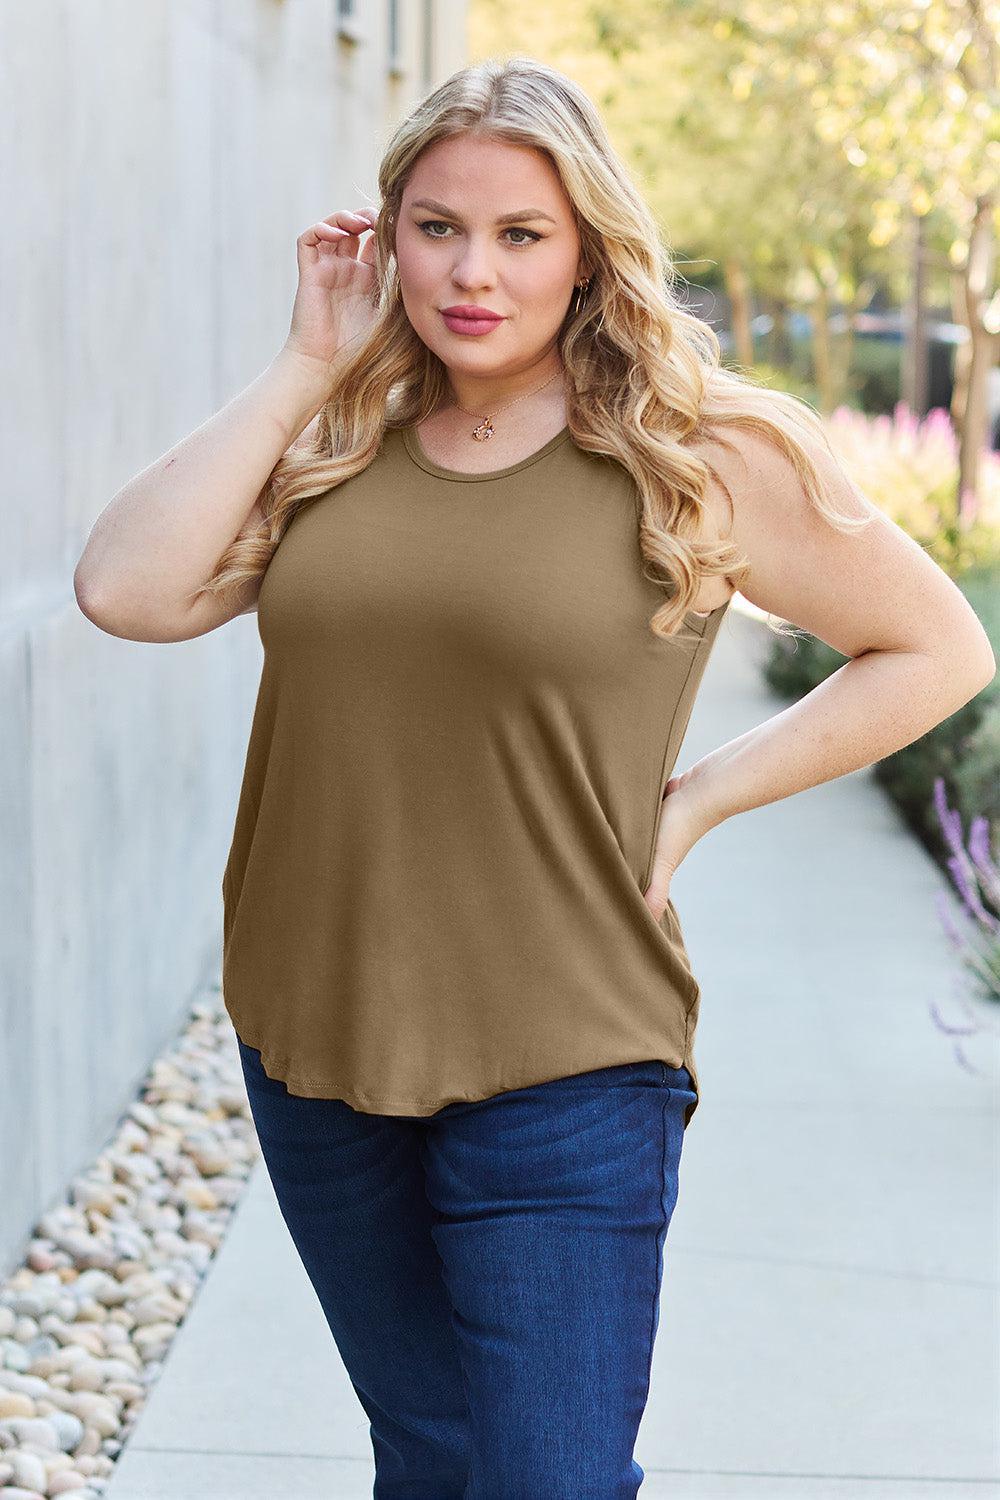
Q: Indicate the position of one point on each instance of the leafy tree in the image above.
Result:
(795, 146)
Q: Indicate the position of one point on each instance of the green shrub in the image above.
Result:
(964, 749)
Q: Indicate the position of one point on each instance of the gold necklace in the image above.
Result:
(485, 428)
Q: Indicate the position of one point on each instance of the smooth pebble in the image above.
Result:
(88, 1319)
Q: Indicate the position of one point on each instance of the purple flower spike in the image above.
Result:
(968, 891)
(964, 1063)
(949, 818)
(947, 920)
(943, 1025)
(979, 842)
(979, 850)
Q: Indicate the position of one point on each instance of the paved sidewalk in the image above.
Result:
(829, 1318)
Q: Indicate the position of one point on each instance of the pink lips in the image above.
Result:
(467, 318)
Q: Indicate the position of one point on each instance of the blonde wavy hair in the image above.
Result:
(644, 376)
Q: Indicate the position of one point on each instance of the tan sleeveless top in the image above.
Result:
(462, 734)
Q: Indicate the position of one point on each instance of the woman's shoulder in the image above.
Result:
(746, 466)
(728, 473)
(754, 495)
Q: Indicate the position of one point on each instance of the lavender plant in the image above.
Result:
(976, 877)
(908, 466)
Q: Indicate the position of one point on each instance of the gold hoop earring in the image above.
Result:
(578, 296)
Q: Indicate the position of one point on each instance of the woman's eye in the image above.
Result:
(428, 224)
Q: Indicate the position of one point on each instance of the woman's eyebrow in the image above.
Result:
(442, 208)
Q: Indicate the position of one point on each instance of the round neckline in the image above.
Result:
(412, 444)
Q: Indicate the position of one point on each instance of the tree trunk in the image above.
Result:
(822, 355)
(962, 360)
(779, 344)
(915, 371)
(977, 283)
(738, 289)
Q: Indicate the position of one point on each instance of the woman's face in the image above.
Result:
(486, 224)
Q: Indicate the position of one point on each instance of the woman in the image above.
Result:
(492, 500)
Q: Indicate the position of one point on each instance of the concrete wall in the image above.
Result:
(158, 162)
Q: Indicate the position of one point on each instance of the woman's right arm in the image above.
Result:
(162, 535)
(164, 532)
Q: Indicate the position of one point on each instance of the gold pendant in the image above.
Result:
(483, 431)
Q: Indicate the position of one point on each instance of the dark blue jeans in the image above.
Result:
(490, 1273)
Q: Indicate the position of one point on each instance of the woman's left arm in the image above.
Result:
(917, 650)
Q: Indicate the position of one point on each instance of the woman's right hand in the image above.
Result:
(334, 302)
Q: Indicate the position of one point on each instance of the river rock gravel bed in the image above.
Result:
(87, 1320)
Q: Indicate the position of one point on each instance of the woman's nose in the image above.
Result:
(473, 268)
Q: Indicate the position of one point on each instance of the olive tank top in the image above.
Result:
(462, 734)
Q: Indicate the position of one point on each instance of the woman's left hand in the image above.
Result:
(684, 818)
